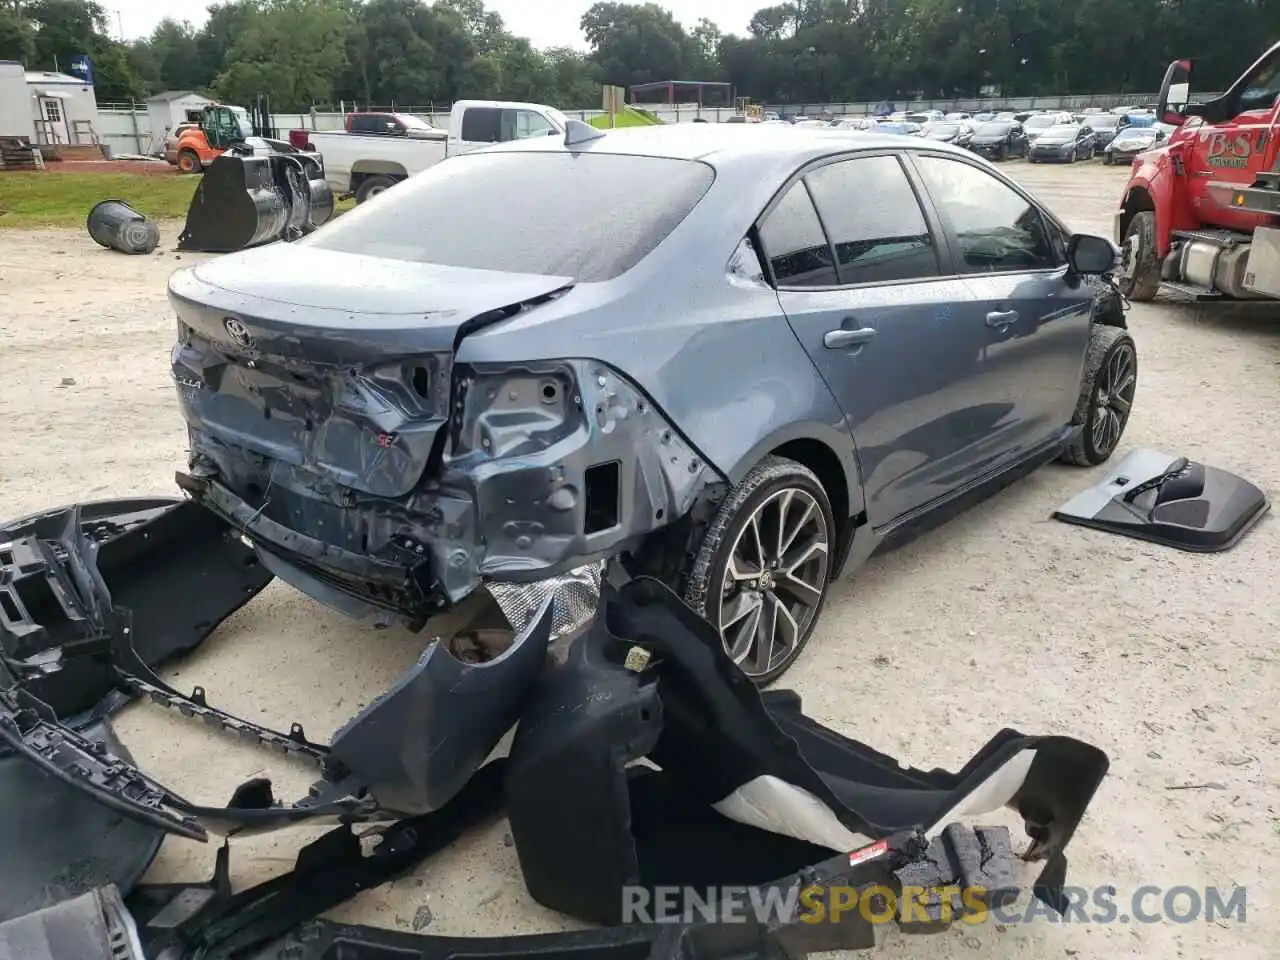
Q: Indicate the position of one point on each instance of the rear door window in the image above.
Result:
(874, 221)
(550, 213)
(481, 125)
(794, 243)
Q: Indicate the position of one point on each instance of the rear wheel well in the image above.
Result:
(668, 554)
(824, 463)
(1136, 200)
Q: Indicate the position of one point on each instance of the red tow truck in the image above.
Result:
(1200, 215)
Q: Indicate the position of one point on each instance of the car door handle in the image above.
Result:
(836, 339)
(1001, 318)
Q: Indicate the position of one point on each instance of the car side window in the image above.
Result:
(997, 229)
(794, 244)
(874, 221)
(481, 125)
(530, 124)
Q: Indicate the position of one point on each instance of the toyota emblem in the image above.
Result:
(238, 332)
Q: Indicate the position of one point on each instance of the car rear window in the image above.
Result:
(590, 216)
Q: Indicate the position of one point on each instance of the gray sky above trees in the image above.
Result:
(546, 23)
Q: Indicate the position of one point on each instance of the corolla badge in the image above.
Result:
(238, 332)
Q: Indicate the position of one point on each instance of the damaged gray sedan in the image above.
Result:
(739, 359)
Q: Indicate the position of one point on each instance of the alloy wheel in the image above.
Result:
(774, 580)
(1113, 399)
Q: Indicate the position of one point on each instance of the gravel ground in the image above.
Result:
(1001, 618)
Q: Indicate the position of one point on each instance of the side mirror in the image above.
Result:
(1091, 256)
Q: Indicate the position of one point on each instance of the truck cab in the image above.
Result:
(1199, 215)
(363, 163)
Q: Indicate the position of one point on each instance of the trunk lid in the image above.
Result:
(332, 362)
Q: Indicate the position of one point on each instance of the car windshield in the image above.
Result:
(942, 131)
(1064, 130)
(1137, 133)
(1040, 123)
(547, 213)
(1104, 121)
(996, 128)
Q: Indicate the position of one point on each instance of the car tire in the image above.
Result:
(1074, 156)
(189, 161)
(1141, 279)
(1107, 390)
(1107, 159)
(784, 504)
(1003, 153)
(372, 186)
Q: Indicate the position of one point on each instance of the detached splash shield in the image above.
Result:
(1172, 501)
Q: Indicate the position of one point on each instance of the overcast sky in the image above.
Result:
(547, 23)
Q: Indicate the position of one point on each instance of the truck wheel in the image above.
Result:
(761, 574)
(1139, 273)
(189, 161)
(372, 186)
(1106, 396)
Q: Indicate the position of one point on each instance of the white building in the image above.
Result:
(166, 110)
(46, 107)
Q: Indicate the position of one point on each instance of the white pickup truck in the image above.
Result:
(363, 163)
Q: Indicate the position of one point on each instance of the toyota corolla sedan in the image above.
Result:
(739, 359)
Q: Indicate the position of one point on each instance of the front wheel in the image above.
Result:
(1106, 396)
(189, 161)
(1074, 156)
(1139, 275)
(761, 574)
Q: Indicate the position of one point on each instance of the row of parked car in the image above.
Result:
(1037, 136)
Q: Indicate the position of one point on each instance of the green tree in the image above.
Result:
(65, 28)
(633, 43)
(17, 36)
(294, 51)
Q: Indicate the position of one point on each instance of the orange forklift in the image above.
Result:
(219, 127)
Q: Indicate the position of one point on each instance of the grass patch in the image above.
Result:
(629, 117)
(32, 200)
(29, 200)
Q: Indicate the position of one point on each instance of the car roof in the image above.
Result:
(722, 145)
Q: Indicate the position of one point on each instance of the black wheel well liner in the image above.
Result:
(1136, 200)
(824, 463)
